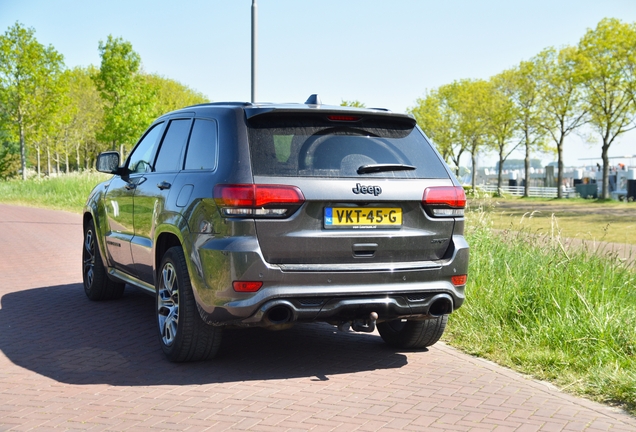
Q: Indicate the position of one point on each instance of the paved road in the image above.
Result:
(69, 363)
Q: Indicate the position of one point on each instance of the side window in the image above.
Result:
(169, 158)
(140, 160)
(202, 149)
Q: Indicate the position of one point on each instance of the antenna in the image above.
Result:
(254, 29)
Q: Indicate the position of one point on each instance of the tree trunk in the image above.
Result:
(37, 147)
(605, 191)
(560, 167)
(473, 158)
(500, 172)
(22, 148)
(526, 165)
(68, 169)
(48, 161)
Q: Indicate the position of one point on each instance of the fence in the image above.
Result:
(544, 192)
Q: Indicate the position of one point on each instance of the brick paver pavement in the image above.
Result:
(69, 363)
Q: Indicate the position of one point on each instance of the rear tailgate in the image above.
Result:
(336, 226)
(363, 176)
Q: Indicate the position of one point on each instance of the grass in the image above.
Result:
(562, 315)
(578, 219)
(66, 192)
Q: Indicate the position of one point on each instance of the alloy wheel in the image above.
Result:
(168, 304)
(89, 258)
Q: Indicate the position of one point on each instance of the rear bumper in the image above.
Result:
(328, 293)
(343, 309)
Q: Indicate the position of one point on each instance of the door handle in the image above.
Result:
(130, 186)
(164, 185)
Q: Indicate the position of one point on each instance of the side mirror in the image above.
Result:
(108, 162)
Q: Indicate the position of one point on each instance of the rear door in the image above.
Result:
(363, 180)
(119, 200)
(152, 193)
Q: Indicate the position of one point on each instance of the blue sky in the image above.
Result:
(383, 53)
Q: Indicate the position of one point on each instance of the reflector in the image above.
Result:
(244, 286)
(459, 280)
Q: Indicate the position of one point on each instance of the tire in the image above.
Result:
(413, 334)
(183, 335)
(97, 284)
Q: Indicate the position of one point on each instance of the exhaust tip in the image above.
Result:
(443, 305)
(279, 315)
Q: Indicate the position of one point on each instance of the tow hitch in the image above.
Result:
(360, 325)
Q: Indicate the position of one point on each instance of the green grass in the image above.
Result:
(593, 220)
(563, 316)
(66, 192)
(566, 316)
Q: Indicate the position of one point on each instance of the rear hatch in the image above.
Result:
(359, 180)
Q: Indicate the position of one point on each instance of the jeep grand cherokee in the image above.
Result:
(241, 214)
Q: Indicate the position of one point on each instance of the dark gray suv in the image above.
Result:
(240, 214)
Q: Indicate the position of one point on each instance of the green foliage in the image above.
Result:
(353, 103)
(606, 62)
(172, 95)
(502, 117)
(560, 101)
(454, 118)
(9, 161)
(28, 78)
(128, 97)
(557, 315)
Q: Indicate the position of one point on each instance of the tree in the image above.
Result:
(9, 157)
(128, 98)
(172, 95)
(606, 63)
(502, 116)
(77, 122)
(431, 114)
(28, 72)
(526, 96)
(353, 103)
(560, 99)
(468, 101)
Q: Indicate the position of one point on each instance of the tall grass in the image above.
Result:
(65, 192)
(563, 315)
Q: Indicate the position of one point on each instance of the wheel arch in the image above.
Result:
(165, 241)
(90, 216)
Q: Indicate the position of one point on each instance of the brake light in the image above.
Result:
(242, 286)
(254, 200)
(344, 118)
(445, 201)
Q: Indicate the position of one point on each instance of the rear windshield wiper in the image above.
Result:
(374, 168)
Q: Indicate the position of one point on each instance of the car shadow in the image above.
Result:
(57, 332)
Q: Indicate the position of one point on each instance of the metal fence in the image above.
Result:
(544, 192)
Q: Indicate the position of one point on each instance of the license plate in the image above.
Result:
(363, 217)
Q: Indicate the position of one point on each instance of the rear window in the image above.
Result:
(306, 147)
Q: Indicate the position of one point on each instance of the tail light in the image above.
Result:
(255, 200)
(444, 201)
